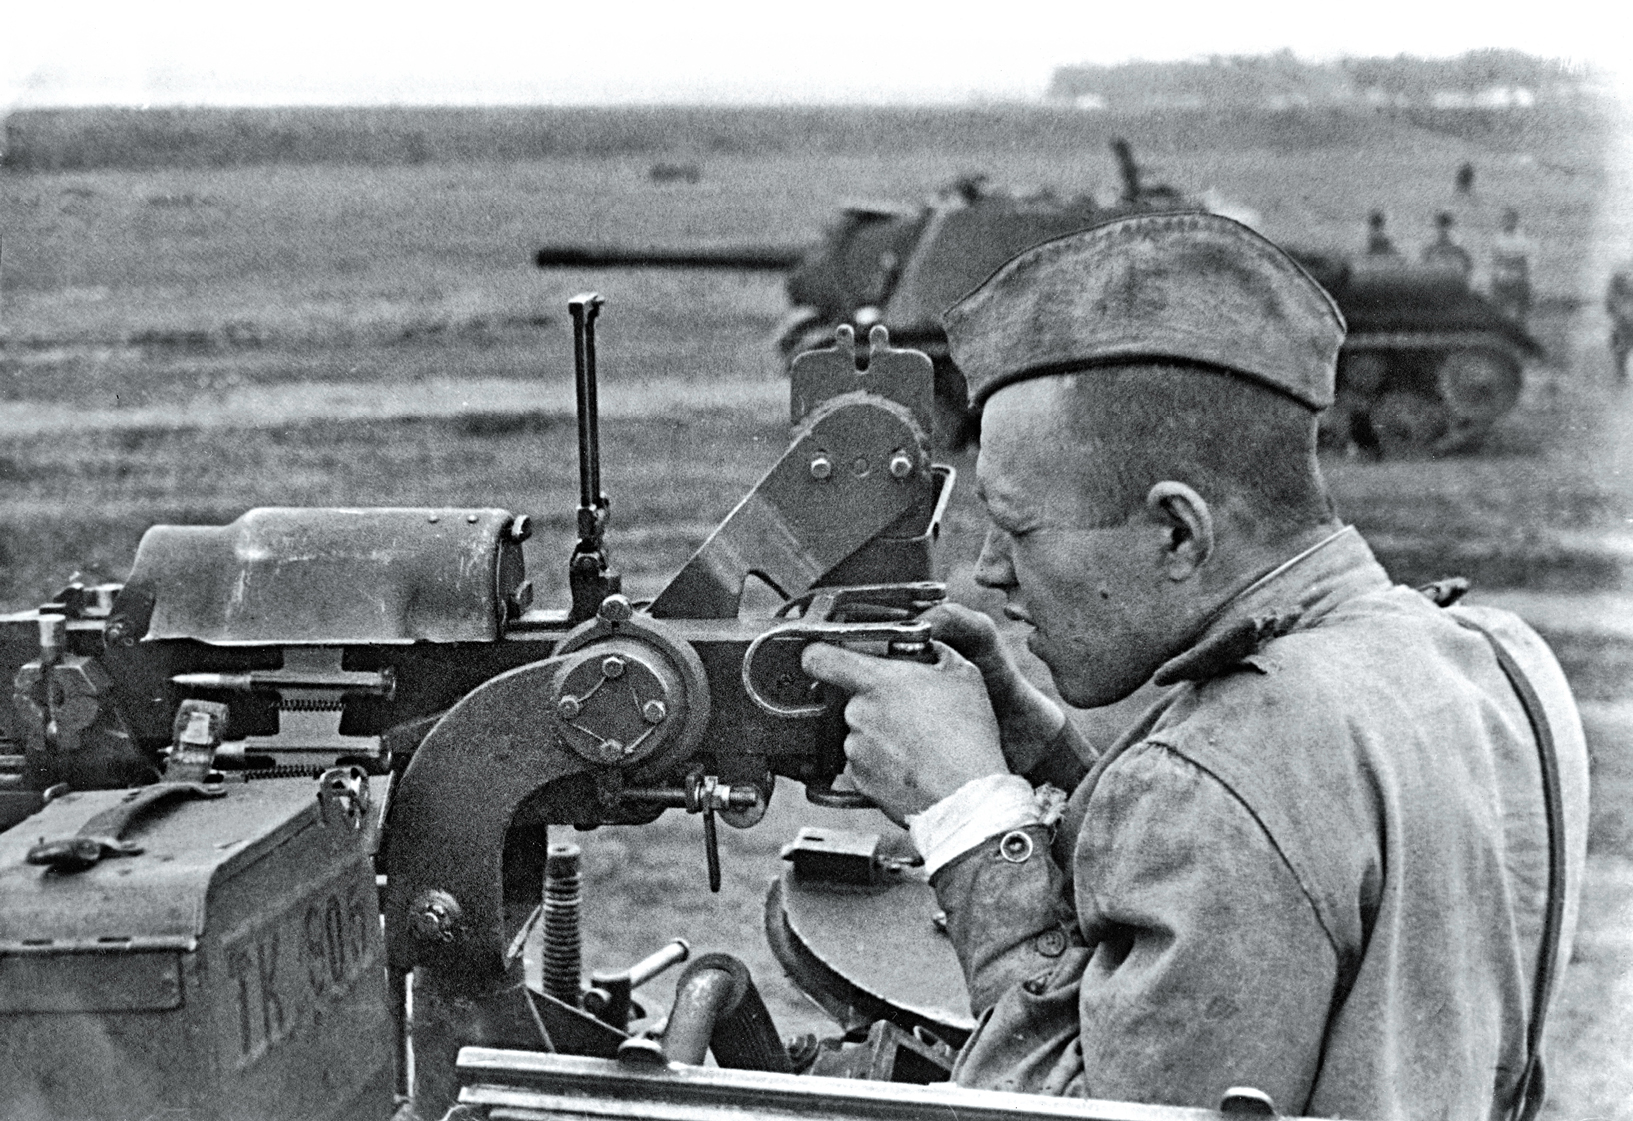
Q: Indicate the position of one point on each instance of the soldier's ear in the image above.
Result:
(1188, 523)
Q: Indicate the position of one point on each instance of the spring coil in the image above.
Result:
(563, 965)
(284, 770)
(310, 704)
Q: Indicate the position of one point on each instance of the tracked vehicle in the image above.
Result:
(1429, 364)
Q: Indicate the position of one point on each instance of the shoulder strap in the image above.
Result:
(1529, 1100)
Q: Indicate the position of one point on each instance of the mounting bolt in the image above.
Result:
(615, 609)
(612, 667)
(821, 467)
(434, 916)
(119, 632)
(567, 708)
(654, 712)
(901, 465)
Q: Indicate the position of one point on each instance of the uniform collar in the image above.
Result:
(1293, 595)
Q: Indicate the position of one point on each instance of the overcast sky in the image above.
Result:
(253, 52)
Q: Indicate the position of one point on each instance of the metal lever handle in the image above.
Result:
(609, 996)
(102, 835)
(702, 792)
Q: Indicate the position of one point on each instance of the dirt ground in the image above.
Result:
(376, 336)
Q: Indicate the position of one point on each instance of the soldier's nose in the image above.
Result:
(992, 568)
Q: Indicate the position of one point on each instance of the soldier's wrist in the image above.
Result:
(1029, 726)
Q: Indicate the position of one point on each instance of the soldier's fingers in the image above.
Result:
(835, 665)
(949, 659)
(960, 626)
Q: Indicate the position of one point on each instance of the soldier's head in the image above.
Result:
(1148, 445)
(1511, 220)
(1444, 223)
(1375, 221)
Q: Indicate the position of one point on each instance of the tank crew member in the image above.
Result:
(1465, 179)
(1444, 252)
(1619, 303)
(1511, 268)
(1378, 241)
(1320, 864)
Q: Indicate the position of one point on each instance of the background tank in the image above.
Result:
(1429, 365)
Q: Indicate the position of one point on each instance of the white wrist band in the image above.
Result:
(981, 808)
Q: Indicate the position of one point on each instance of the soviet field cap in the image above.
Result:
(1181, 287)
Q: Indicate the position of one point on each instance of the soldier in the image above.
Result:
(1322, 863)
(1511, 269)
(1444, 252)
(1378, 242)
(1619, 303)
(1465, 179)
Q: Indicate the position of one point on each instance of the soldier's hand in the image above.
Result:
(918, 732)
(1027, 719)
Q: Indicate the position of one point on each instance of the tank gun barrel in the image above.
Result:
(748, 258)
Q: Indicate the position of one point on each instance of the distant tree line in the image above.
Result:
(1282, 80)
(56, 140)
(87, 138)
(43, 140)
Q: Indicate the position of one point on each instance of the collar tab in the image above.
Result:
(1229, 647)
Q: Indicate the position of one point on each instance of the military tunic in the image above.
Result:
(1318, 866)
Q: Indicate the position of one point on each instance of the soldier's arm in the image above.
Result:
(1184, 959)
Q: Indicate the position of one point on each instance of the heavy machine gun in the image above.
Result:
(192, 928)
(395, 653)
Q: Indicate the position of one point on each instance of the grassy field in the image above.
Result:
(129, 283)
(181, 344)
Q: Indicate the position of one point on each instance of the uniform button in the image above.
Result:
(1016, 847)
(1051, 943)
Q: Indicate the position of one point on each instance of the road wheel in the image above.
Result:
(1405, 423)
(1335, 425)
(1478, 386)
(1362, 375)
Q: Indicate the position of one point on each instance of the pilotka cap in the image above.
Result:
(1185, 287)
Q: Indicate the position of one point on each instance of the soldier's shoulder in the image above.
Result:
(1289, 679)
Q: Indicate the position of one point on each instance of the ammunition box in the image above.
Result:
(232, 969)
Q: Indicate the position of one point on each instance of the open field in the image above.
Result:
(121, 284)
(183, 344)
